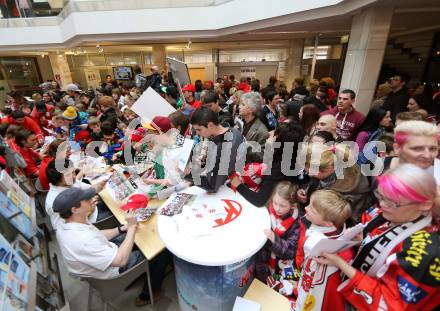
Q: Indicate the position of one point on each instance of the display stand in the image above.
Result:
(19, 228)
(213, 240)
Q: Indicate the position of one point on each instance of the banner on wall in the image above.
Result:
(248, 72)
(92, 77)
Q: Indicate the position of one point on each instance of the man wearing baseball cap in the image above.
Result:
(74, 92)
(89, 251)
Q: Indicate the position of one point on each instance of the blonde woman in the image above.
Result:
(398, 265)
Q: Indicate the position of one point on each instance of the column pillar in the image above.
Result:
(365, 52)
(293, 61)
(159, 55)
(60, 68)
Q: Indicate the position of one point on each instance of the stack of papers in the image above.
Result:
(242, 304)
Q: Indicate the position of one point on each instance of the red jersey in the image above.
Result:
(28, 124)
(42, 175)
(30, 157)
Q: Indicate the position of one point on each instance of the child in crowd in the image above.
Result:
(317, 289)
(112, 140)
(94, 126)
(76, 120)
(278, 263)
(83, 138)
(81, 107)
(93, 112)
(128, 115)
(59, 126)
(163, 174)
(121, 129)
(156, 176)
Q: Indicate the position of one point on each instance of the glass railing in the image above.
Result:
(63, 8)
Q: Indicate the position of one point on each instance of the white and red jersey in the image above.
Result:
(317, 287)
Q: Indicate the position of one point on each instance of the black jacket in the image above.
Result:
(214, 178)
(154, 81)
(225, 118)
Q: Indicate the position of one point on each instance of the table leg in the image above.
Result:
(150, 289)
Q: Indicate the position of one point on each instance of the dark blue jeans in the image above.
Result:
(157, 267)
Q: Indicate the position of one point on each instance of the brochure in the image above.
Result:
(143, 214)
(14, 278)
(122, 183)
(7, 184)
(176, 203)
(15, 216)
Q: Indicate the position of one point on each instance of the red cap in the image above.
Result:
(81, 135)
(208, 84)
(137, 135)
(135, 201)
(243, 86)
(189, 87)
(163, 123)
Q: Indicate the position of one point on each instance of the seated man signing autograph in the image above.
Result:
(88, 251)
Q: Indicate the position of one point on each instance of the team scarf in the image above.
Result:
(280, 225)
(373, 253)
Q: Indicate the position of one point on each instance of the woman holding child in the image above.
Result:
(398, 264)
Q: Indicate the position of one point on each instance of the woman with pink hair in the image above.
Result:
(398, 264)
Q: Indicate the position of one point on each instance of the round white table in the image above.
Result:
(213, 240)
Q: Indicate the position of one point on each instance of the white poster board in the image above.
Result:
(179, 71)
(151, 104)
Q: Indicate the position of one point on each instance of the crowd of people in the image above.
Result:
(393, 212)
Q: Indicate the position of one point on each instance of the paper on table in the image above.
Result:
(243, 304)
(151, 104)
(331, 246)
(192, 226)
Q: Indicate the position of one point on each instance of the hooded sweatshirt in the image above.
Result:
(346, 123)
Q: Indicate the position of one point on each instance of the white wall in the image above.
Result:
(136, 24)
(263, 71)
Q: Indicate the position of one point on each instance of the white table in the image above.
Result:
(213, 252)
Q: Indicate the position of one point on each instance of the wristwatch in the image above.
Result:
(120, 230)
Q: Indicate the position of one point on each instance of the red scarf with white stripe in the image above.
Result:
(280, 225)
